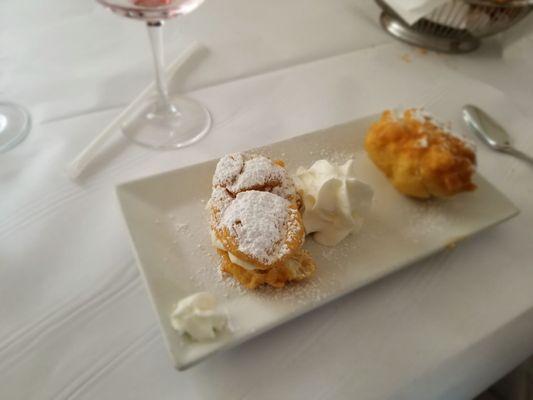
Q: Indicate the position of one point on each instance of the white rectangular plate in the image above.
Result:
(167, 222)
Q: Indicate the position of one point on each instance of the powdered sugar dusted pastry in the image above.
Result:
(420, 156)
(256, 224)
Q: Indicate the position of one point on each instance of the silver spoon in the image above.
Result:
(488, 130)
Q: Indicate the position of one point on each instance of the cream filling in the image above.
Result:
(293, 265)
(241, 263)
(233, 258)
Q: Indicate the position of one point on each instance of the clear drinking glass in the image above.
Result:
(163, 121)
(15, 124)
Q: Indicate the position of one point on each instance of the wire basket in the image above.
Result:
(458, 25)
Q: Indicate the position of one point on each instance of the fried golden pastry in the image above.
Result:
(238, 173)
(256, 224)
(260, 228)
(419, 156)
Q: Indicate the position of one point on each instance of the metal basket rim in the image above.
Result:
(492, 3)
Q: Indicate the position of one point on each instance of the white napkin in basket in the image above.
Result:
(412, 10)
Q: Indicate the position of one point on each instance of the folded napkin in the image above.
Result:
(413, 10)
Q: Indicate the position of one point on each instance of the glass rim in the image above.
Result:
(134, 7)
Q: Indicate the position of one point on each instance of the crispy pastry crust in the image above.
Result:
(419, 158)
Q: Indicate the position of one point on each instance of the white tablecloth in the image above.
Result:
(75, 318)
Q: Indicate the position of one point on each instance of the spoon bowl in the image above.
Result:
(491, 132)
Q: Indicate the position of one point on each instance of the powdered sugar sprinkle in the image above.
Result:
(238, 173)
(421, 115)
(259, 221)
(228, 168)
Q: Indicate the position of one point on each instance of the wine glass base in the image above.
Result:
(15, 124)
(149, 127)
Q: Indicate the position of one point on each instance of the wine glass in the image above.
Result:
(15, 124)
(164, 121)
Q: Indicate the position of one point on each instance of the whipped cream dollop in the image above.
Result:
(335, 201)
(198, 316)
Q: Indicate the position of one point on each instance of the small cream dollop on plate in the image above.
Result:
(335, 201)
(198, 316)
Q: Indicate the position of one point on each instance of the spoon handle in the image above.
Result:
(517, 153)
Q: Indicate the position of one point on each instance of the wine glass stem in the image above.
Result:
(155, 32)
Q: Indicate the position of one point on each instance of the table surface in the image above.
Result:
(76, 319)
